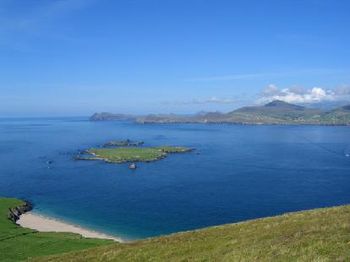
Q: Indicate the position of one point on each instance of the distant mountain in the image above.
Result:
(281, 104)
(275, 112)
(104, 116)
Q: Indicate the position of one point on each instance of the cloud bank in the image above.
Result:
(304, 96)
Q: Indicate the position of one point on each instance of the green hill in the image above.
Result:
(339, 115)
(276, 112)
(316, 235)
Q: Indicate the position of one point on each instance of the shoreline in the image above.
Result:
(44, 223)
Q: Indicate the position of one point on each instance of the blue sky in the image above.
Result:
(75, 57)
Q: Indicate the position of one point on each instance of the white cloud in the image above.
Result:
(304, 96)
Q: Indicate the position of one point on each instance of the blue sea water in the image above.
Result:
(236, 173)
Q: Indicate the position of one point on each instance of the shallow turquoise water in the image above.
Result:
(236, 173)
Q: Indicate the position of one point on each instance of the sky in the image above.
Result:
(77, 57)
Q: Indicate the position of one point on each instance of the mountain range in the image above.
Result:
(274, 113)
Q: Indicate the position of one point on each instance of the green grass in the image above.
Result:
(317, 235)
(18, 244)
(134, 154)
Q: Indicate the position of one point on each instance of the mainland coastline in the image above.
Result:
(276, 112)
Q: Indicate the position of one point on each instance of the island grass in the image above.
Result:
(134, 154)
(317, 235)
(18, 244)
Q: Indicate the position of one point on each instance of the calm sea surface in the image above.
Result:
(236, 173)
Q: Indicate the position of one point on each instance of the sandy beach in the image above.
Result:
(46, 224)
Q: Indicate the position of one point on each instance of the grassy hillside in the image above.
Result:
(276, 112)
(340, 115)
(17, 243)
(317, 235)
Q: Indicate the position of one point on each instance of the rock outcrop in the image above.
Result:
(16, 212)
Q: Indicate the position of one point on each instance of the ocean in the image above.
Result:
(235, 173)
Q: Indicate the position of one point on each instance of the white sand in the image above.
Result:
(46, 224)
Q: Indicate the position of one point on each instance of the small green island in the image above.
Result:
(130, 152)
(134, 154)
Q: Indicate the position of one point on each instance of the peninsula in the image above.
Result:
(274, 113)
